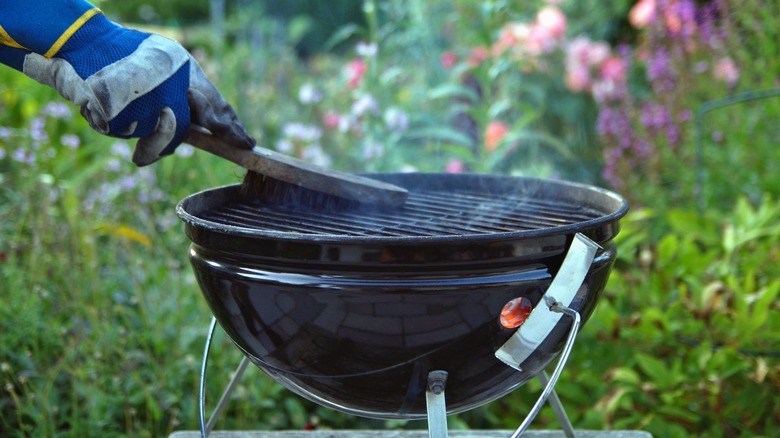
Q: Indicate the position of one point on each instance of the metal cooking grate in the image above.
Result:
(429, 213)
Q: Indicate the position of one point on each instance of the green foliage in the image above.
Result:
(692, 317)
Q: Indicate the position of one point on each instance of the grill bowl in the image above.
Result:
(352, 309)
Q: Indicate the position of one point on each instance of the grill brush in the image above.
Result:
(280, 179)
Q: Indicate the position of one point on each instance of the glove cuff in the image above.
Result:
(43, 26)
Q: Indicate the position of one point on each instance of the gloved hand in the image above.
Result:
(131, 84)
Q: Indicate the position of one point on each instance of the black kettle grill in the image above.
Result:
(358, 309)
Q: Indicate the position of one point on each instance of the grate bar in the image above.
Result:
(428, 213)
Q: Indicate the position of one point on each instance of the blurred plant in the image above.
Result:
(476, 108)
(708, 306)
(686, 55)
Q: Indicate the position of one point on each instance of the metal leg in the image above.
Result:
(557, 407)
(205, 428)
(548, 389)
(436, 404)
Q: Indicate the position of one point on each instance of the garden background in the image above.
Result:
(672, 103)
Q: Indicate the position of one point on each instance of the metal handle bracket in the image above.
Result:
(561, 293)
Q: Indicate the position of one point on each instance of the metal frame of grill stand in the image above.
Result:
(434, 395)
(542, 319)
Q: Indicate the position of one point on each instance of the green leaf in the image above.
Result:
(626, 375)
(763, 305)
(341, 36)
(296, 412)
(440, 135)
(453, 91)
(655, 369)
(667, 250)
(298, 27)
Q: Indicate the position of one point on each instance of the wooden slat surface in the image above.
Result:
(412, 434)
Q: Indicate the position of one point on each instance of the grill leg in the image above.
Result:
(557, 407)
(550, 386)
(205, 428)
(436, 405)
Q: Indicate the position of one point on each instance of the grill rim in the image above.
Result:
(606, 197)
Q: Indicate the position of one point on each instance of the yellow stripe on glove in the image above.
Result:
(70, 31)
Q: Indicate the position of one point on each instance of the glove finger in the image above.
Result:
(209, 109)
(60, 75)
(148, 149)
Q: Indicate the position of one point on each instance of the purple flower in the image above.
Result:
(121, 149)
(373, 150)
(654, 117)
(58, 110)
(23, 156)
(673, 134)
(706, 18)
(152, 195)
(71, 141)
(127, 183)
(5, 133)
(113, 165)
(659, 64)
(38, 132)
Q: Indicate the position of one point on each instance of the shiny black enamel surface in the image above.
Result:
(357, 324)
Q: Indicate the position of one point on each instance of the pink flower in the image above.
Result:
(331, 120)
(448, 59)
(581, 51)
(613, 69)
(454, 166)
(495, 132)
(356, 69)
(578, 79)
(642, 14)
(553, 20)
(726, 70)
(478, 55)
(611, 81)
(511, 38)
(540, 40)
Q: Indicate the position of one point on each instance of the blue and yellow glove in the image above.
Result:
(129, 84)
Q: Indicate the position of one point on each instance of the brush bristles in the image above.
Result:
(281, 193)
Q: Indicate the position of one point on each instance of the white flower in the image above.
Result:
(366, 50)
(309, 95)
(185, 151)
(315, 155)
(363, 105)
(299, 131)
(396, 119)
(284, 146)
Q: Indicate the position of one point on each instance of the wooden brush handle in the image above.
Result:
(300, 173)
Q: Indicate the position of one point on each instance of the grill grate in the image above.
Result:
(426, 214)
